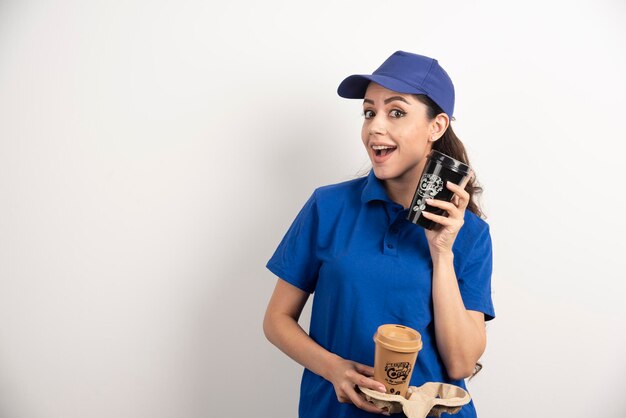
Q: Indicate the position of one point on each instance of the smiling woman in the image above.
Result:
(368, 265)
(398, 136)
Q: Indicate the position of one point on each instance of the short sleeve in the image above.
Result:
(295, 260)
(475, 278)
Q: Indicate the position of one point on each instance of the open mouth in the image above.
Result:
(383, 150)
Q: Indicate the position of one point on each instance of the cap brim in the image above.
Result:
(354, 86)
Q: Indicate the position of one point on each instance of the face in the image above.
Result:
(396, 133)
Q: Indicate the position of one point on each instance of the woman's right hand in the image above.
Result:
(282, 329)
(345, 375)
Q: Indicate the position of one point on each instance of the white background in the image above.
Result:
(153, 153)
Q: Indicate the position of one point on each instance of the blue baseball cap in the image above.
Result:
(408, 73)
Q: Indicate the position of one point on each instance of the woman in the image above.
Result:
(352, 245)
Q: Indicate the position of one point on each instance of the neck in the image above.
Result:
(401, 191)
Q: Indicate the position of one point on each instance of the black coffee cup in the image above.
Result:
(439, 169)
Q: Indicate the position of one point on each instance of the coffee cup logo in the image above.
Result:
(397, 373)
(430, 185)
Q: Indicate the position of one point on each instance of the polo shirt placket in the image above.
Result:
(392, 236)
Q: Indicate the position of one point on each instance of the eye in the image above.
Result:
(395, 113)
(368, 114)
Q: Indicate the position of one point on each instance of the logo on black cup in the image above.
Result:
(430, 185)
(397, 373)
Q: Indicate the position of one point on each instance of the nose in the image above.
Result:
(377, 126)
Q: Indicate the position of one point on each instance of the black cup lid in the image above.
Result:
(449, 162)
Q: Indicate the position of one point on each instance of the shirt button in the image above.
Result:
(394, 230)
(390, 246)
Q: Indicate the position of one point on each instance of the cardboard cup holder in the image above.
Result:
(430, 399)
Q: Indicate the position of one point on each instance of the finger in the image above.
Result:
(443, 220)
(454, 212)
(363, 369)
(362, 380)
(366, 382)
(462, 194)
(442, 204)
(360, 402)
(458, 189)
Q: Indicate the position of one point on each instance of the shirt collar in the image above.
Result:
(374, 190)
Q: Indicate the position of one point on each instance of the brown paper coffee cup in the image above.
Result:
(396, 352)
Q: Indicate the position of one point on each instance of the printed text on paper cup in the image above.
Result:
(397, 373)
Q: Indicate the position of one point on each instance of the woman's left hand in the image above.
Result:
(441, 240)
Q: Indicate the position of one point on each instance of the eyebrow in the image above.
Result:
(389, 100)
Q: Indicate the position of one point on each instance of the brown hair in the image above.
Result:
(451, 145)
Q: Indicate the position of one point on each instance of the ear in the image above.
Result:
(438, 126)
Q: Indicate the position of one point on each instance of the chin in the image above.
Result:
(396, 173)
(384, 173)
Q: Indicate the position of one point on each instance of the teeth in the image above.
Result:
(381, 147)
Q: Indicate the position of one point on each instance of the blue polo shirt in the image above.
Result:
(367, 265)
